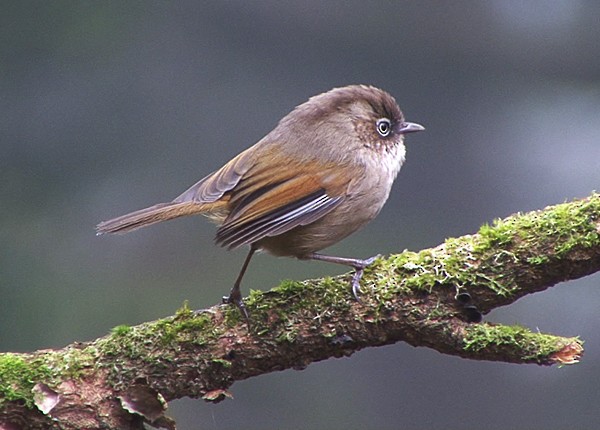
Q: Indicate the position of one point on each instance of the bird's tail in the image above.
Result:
(152, 215)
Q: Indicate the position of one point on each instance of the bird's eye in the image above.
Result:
(384, 126)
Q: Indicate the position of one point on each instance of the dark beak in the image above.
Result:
(408, 127)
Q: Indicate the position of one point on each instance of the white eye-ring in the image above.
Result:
(384, 127)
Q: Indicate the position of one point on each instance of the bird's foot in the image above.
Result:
(359, 271)
(235, 298)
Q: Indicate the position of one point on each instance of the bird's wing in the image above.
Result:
(214, 186)
(272, 201)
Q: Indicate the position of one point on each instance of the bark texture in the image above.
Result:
(432, 298)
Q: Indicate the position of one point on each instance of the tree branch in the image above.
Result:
(429, 298)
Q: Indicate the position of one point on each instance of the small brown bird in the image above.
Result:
(321, 174)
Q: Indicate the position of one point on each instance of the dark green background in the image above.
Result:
(106, 107)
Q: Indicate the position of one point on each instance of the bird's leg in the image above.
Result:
(358, 264)
(235, 296)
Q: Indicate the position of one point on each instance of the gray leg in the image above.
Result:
(235, 296)
(359, 267)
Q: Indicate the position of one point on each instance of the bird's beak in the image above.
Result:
(409, 127)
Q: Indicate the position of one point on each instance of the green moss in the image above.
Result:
(287, 286)
(190, 328)
(456, 264)
(18, 377)
(133, 342)
(568, 225)
(184, 310)
(417, 270)
(460, 261)
(121, 330)
(500, 233)
(70, 362)
(156, 344)
(276, 312)
(19, 374)
(537, 260)
(535, 346)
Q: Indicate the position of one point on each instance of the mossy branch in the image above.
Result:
(425, 298)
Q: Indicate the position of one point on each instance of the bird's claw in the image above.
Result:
(235, 298)
(359, 271)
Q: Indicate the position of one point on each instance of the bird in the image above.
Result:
(321, 174)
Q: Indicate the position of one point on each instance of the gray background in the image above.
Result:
(106, 107)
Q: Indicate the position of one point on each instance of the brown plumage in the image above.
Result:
(321, 174)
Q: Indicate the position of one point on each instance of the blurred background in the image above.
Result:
(107, 107)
